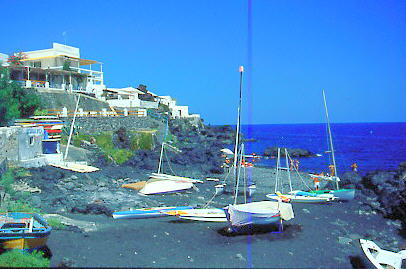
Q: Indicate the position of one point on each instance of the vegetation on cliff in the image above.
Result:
(15, 102)
(118, 146)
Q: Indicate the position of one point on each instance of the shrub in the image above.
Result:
(19, 206)
(55, 223)
(18, 258)
(142, 140)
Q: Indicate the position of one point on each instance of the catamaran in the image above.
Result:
(295, 196)
(340, 194)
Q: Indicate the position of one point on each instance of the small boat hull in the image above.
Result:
(25, 231)
(164, 186)
(341, 195)
(255, 213)
(382, 259)
(145, 213)
(299, 199)
(200, 214)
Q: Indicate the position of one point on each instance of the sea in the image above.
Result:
(373, 146)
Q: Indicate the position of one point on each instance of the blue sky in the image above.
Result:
(191, 50)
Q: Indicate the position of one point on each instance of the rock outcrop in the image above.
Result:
(293, 152)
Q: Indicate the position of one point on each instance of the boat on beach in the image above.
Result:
(295, 196)
(26, 231)
(162, 186)
(382, 259)
(144, 213)
(251, 213)
(340, 194)
(199, 214)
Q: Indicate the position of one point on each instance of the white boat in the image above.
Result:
(247, 213)
(199, 214)
(155, 186)
(175, 178)
(299, 197)
(382, 259)
(258, 213)
(144, 213)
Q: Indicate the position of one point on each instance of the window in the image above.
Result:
(36, 64)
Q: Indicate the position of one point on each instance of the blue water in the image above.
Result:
(373, 146)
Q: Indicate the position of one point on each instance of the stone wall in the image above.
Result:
(52, 99)
(90, 126)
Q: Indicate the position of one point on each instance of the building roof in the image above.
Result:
(81, 61)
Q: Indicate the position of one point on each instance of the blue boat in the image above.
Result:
(144, 213)
(25, 231)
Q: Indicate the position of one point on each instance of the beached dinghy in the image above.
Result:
(264, 212)
(159, 186)
(23, 231)
(174, 178)
(200, 214)
(301, 197)
(144, 213)
(382, 259)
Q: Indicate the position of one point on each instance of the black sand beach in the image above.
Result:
(320, 236)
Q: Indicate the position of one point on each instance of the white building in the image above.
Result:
(127, 97)
(59, 68)
(175, 110)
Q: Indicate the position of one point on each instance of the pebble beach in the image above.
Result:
(320, 236)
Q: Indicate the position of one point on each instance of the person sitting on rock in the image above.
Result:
(354, 167)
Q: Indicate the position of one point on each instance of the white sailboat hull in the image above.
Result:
(174, 178)
(382, 259)
(258, 213)
(299, 199)
(164, 186)
(200, 214)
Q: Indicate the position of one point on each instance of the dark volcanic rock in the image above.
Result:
(390, 189)
(144, 159)
(351, 179)
(93, 208)
(273, 151)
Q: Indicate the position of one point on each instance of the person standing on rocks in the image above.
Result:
(354, 167)
(331, 168)
(297, 164)
(291, 165)
(316, 182)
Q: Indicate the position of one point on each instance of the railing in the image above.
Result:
(66, 113)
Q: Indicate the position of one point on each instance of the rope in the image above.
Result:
(297, 172)
(169, 163)
(207, 204)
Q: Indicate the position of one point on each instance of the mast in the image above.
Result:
(277, 170)
(238, 125)
(288, 169)
(163, 142)
(331, 140)
(71, 128)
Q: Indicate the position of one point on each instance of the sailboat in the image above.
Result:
(160, 183)
(340, 194)
(248, 213)
(295, 196)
